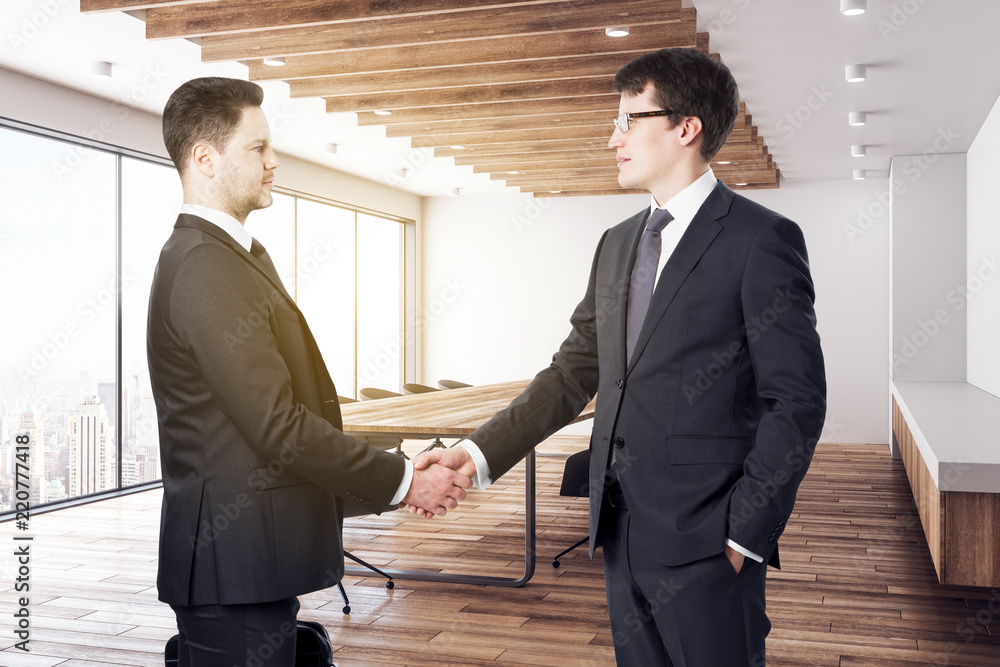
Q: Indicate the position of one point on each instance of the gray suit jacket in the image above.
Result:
(255, 465)
(715, 418)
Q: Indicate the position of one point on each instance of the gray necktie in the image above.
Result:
(640, 287)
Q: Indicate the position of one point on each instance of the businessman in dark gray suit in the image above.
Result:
(256, 468)
(697, 333)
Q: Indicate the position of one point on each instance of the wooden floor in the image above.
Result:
(857, 586)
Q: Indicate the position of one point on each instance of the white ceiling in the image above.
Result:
(930, 76)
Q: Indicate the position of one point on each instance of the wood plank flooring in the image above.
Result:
(857, 586)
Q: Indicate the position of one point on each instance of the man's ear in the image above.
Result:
(691, 128)
(203, 158)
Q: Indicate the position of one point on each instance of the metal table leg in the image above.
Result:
(529, 548)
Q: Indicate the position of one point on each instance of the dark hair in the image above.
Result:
(691, 82)
(207, 110)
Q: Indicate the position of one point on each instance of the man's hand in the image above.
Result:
(735, 558)
(454, 458)
(435, 489)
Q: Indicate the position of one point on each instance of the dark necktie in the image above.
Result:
(640, 287)
(258, 251)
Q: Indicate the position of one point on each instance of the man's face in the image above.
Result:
(648, 150)
(245, 174)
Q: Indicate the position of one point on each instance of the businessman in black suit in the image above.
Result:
(256, 468)
(697, 333)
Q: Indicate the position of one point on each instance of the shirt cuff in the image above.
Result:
(482, 480)
(404, 485)
(746, 552)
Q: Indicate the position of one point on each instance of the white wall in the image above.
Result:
(983, 254)
(502, 275)
(928, 268)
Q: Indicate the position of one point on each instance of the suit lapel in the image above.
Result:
(699, 236)
(194, 222)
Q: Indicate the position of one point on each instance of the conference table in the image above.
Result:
(454, 413)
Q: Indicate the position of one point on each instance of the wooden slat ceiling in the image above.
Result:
(517, 90)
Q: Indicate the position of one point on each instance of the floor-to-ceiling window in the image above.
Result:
(81, 227)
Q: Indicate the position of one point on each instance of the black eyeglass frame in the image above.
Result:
(640, 114)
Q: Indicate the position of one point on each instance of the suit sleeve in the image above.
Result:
(555, 397)
(249, 379)
(784, 347)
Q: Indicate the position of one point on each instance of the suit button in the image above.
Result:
(621, 383)
(619, 442)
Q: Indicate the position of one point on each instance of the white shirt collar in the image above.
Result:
(685, 204)
(224, 221)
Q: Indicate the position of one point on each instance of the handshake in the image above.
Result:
(440, 478)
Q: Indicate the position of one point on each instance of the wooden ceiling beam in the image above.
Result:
(510, 49)
(518, 161)
(568, 172)
(522, 71)
(415, 105)
(597, 146)
(229, 16)
(97, 6)
(607, 104)
(589, 193)
(741, 137)
(570, 119)
(597, 175)
(540, 22)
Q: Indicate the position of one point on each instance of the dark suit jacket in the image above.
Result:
(715, 418)
(254, 464)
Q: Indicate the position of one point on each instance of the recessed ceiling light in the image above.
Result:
(331, 148)
(382, 112)
(555, 192)
(855, 73)
(853, 7)
(724, 162)
(275, 61)
(857, 118)
(742, 184)
(617, 31)
(859, 151)
(513, 173)
(455, 192)
(859, 174)
(458, 148)
(100, 69)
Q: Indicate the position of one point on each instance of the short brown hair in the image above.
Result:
(207, 110)
(691, 82)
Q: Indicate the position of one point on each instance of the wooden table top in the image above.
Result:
(450, 412)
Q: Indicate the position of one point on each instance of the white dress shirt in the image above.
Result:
(683, 206)
(235, 229)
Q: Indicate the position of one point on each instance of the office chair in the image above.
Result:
(346, 399)
(452, 384)
(352, 510)
(414, 388)
(575, 484)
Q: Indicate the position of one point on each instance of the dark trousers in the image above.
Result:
(241, 635)
(700, 614)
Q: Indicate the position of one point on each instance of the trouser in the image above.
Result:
(700, 614)
(241, 635)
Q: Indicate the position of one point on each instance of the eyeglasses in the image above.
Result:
(622, 120)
